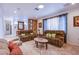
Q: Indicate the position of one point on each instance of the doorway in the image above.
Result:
(8, 26)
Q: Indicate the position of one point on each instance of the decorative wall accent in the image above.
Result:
(76, 21)
(20, 25)
(40, 25)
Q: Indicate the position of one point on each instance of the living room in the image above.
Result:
(39, 28)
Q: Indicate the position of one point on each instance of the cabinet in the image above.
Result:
(32, 25)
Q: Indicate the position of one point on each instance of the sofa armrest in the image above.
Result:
(61, 38)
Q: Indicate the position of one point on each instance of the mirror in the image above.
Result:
(20, 25)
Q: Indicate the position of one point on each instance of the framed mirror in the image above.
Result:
(20, 25)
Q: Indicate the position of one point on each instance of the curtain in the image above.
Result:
(62, 23)
(45, 24)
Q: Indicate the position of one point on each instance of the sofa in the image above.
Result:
(55, 37)
(9, 48)
(4, 50)
(26, 35)
(14, 48)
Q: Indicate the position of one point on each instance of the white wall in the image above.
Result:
(73, 32)
(41, 29)
(1, 28)
(1, 24)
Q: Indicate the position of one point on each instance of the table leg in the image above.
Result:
(46, 46)
(36, 44)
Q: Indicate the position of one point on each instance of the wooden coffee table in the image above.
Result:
(42, 41)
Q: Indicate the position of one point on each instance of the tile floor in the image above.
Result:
(29, 48)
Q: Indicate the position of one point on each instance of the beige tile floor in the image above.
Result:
(29, 48)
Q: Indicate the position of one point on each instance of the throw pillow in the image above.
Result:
(53, 35)
(49, 35)
(31, 33)
(23, 34)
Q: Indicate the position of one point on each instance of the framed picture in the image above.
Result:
(76, 21)
(40, 25)
(20, 25)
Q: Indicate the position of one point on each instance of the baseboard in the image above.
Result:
(73, 43)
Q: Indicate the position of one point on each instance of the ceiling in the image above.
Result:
(28, 9)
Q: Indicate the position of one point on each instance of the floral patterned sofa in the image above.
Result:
(4, 50)
(9, 48)
(14, 48)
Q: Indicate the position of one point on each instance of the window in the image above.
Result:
(53, 24)
(57, 23)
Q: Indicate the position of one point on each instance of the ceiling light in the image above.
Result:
(41, 6)
(73, 3)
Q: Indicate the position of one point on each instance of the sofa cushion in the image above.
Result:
(31, 33)
(12, 45)
(53, 35)
(16, 51)
(18, 42)
(23, 34)
(49, 35)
